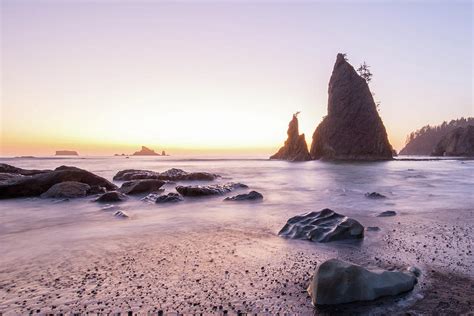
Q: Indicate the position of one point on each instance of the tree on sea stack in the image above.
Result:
(352, 129)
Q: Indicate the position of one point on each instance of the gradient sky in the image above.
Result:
(106, 76)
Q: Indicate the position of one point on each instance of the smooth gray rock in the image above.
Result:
(251, 196)
(338, 282)
(141, 186)
(323, 226)
(387, 214)
(67, 189)
(112, 196)
(38, 183)
(169, 198)
(206, 190)
(375, 195)
(295, 147)
(352, 129)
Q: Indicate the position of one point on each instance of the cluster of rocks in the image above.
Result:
(352, 129)
(172, 174)
(336, 281)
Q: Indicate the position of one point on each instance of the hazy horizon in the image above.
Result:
(107, 77)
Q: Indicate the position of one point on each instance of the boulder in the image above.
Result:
(173, 174)
(375, 195)
(352, 129)
(5, 168)
(112, 196)
(251, 196)
(295, 147)
(141, 186)
(169, 198)
(323, 226)
(145, 151)
(67, 189)
(206, 190)
(387, 214)
(37, 184)
(459, 142)
(338, 282)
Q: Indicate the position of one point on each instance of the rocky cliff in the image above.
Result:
(295, 147)
(145, 151)
(353, 129)
(459, 142)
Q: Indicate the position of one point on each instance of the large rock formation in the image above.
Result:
(337, 282)
(352, 130)
(323, 226)
(67, 189)
(459, 142)
(295, 148)
(145, 151)
(37, 184)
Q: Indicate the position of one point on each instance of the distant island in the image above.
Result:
(145, 151)
(446, 139)
(66, 153)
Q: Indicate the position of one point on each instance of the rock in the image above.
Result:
(338, 282)
(459, 142)
(295, 148)
(251, 196)
(37, 184)
(141, 186)
(173, 174)
(121, 214)
(373, 229)
(169, 198)
(96, 189)
(205, 190)
(145, 151)
(66, 153)
(352, 129)
(111, 196)
(387, 214)
(67, 189)
(4, 168)
(375, 195)
(323, 226)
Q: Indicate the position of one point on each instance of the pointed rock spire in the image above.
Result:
(295, 148)
(353, 129)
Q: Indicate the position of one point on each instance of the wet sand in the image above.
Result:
(217, 269)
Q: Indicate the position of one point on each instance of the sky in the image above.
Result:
(104, 77)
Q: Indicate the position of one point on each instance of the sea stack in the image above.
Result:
(145, 151)
(295, 148)
(352, 129)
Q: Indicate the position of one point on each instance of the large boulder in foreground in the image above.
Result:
(295, 147)
(323, 226)
(459, 142)
(141, 186)
(206, 190)
(67, 189)
(37, 184)
(173, 174)
(352, 129)
(337, 282)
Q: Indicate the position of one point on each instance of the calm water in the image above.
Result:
(35, 226)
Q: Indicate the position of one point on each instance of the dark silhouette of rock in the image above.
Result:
(295, 148)
(387, 214)
(251, 196)
(141, 186)
(323, 226)
(96, 189)
(373, 229)
(424, 140)
(352, 130)
(375, 195)
(173, 174)
(145, 151)
(338, 282)
(169, 198)
(206, 190)
(4, 168)
(66, 153)
(112, 196)
(459, 142)
(37, 184)
(67, 189)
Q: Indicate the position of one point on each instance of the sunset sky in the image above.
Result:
(104, 77)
